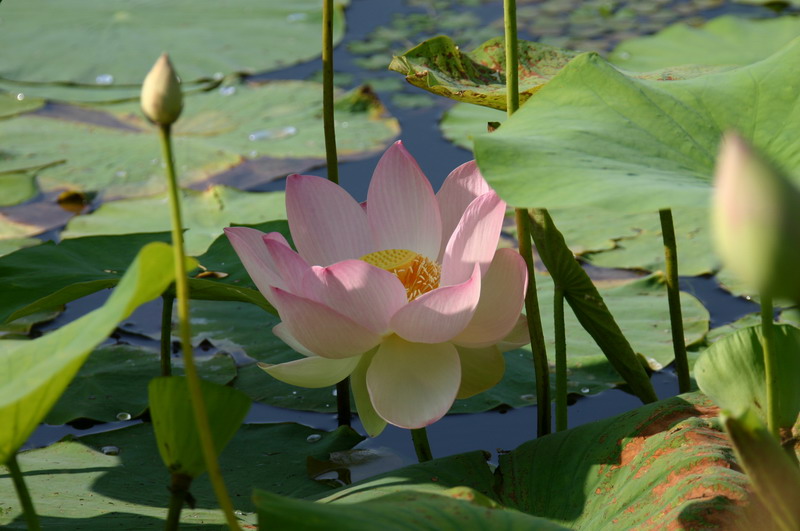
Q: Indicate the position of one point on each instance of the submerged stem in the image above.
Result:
(674, 297)
(421, 445)
(167, 303)
(770, 365)
(561, 359)
(31, 518)
(540, 365)
(192, 378)
(179, 489)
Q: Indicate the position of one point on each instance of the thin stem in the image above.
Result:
(343, 402)
(167, 303)
(343, 387)
(192, 378)
(512, 56)
(561, 359)
(770, 365)
(327, 90)
(31, 518)
(674, 297)
(179, 489)
(540, 365)
(421, 445)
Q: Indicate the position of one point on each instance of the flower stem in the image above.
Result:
(167, 303)
(770, 365)
(179, 489)
(327, 90)
(342, 388)
(421, 445)
(674, 297)
(31, 518)
(540, 365)
(192, 378)
(561, 359)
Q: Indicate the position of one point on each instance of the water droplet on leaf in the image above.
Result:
(123, 416)
(314, 437)
(585, 389)
(296, 17)
(20, 96)
(104, 79)
(110, 450)
(530, 398)
(227, 91)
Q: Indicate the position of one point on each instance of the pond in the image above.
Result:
(229, 157)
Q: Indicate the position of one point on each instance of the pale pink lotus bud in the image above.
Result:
(161, 99)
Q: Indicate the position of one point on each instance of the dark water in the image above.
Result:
(493, 431)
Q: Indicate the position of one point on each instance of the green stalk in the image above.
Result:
(167, 303)
(179, 489)
(561, 359)
(343, 413)
(540, 364)
(192, 378)
(421, 445)
(770, 365)
(674, 298)
(327, 90)
(31, 518)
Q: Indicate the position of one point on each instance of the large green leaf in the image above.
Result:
(660, 466)
(587, 304)
(205, 214)
(115, 481)
(112, 384)
(173, 414)
(110, 42)
(595, 137)
(49, 275)
(732, 372)
(437, 65)
(726, 40)
(276, 127)
(455, 509)
(36, 372)
(775, 476)
(16, 187)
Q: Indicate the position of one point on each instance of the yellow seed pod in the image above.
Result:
(161, 99)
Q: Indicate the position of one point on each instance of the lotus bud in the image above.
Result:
(162, 101)
(756, 220)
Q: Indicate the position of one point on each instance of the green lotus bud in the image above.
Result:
(756, 220)
(162, 101)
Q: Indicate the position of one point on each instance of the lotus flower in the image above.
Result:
(407, 294)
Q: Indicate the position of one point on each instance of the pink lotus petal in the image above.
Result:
(441, 314)
(281, 331)
(412, 385)
(322, 330)
(327, 224)
(474, 240)
(313, 372)
(502, 299)
(461, 187)
(370, 420)
(366, 294)
(249, 245)
(403, 212)
(481, 369)
(289, 265)
(518, 336)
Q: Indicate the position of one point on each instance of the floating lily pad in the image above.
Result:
(9, 245)
(112, 383)
(16, 187)
(50, 275)
(21, 327)
(595, 137)
(663, 465)
(726, 40)
(437, 65)
(97, 491)
(205, 214)
(17, 103)
(118, 41)
(275, 124)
